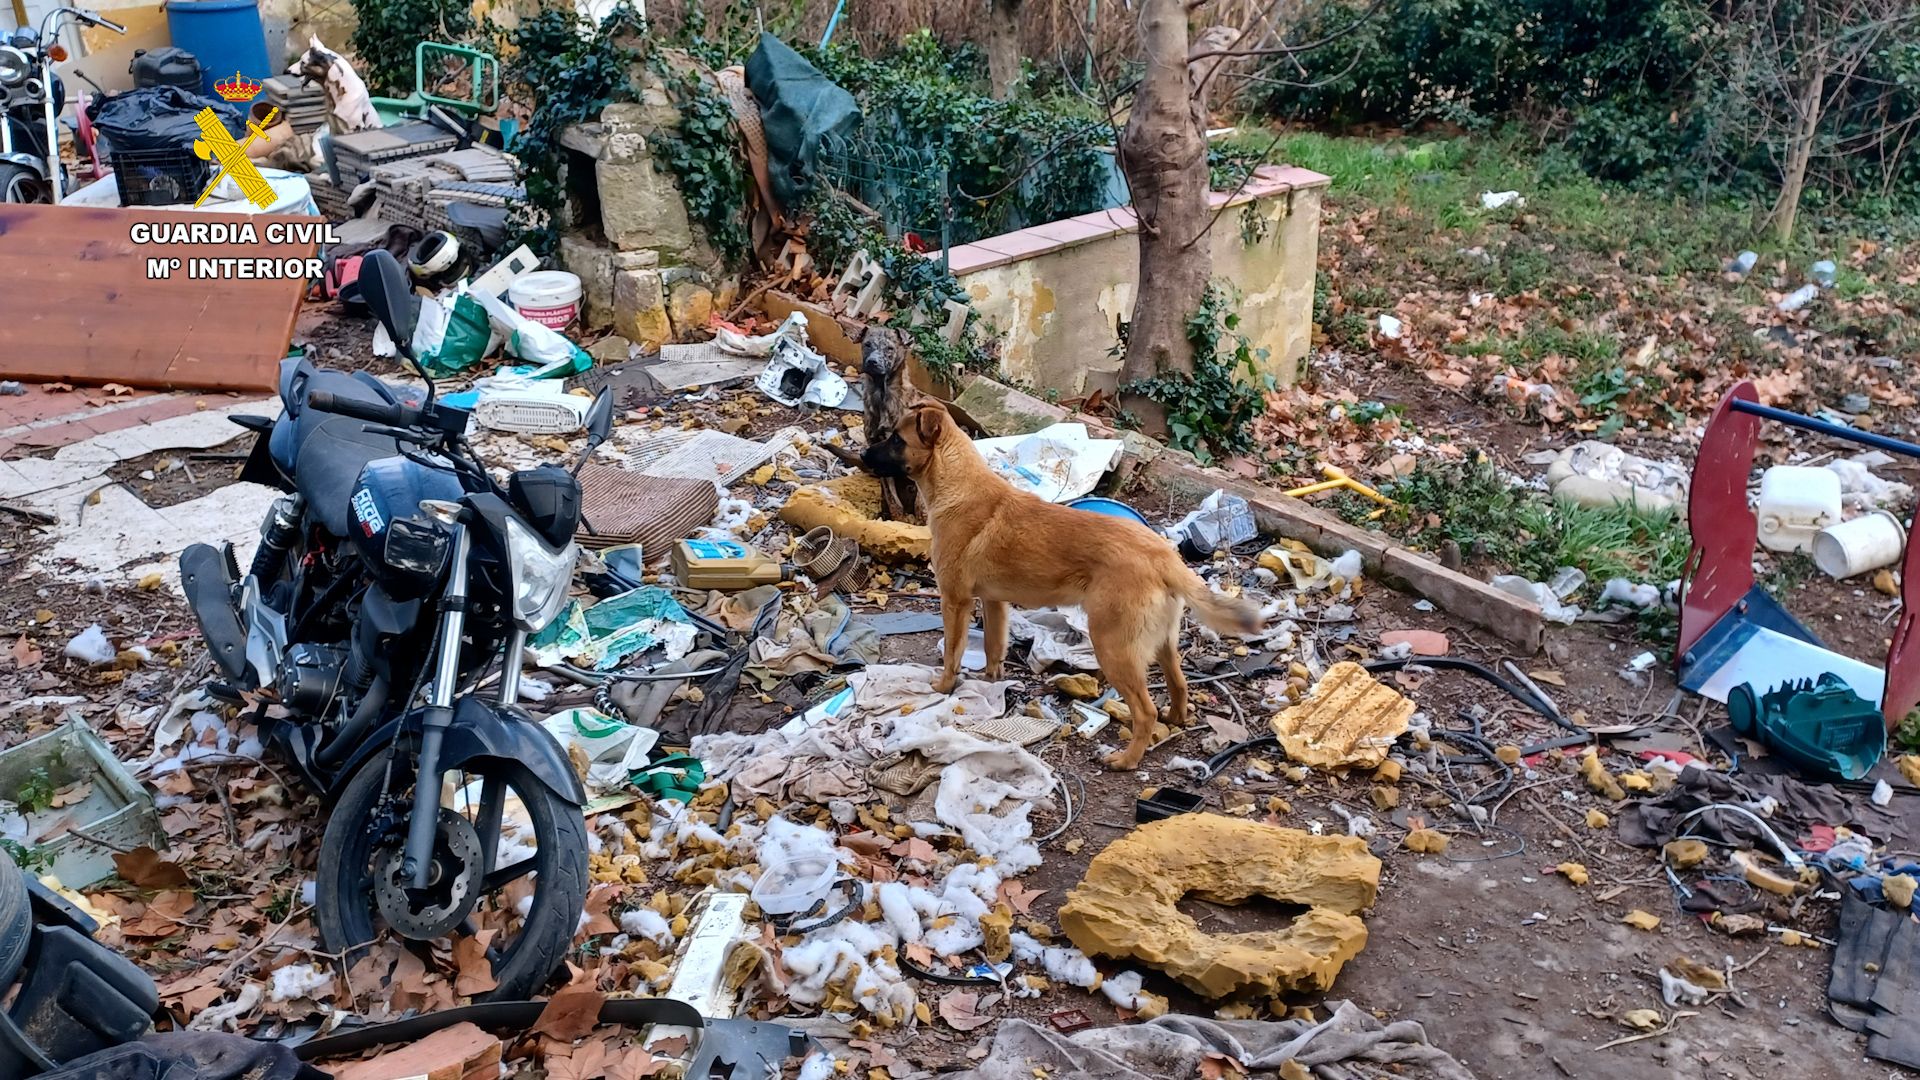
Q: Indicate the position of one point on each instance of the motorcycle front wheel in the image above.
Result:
(509, 856)
(19, 184)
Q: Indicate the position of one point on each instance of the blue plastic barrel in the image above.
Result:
(225, 35)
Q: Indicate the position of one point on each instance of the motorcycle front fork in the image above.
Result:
(417, 857)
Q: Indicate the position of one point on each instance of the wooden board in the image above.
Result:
(76, 304)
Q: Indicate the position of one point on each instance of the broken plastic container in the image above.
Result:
(1795, 503)
(794, 886)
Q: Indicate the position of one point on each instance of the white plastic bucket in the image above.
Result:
(548, 297)
(1868, 542)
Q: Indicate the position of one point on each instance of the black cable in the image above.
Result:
(1219, 760)
(1449, 663)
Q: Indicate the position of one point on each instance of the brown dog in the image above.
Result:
(1003, 545)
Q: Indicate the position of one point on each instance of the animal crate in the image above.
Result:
(159, 177)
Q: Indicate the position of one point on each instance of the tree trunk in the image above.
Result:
(1003, 47)
(1806, 127)
(1163, 153)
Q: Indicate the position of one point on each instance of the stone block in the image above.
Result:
(592, 261)
(1127, 905)
(640, 308)
(689, 308)
(1000, 410)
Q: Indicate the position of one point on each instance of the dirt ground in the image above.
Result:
(1512, 969)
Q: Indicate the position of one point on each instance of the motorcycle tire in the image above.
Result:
(16, 921)
(19, 184)
(346, 909)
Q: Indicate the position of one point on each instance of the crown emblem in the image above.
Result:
(238, 88)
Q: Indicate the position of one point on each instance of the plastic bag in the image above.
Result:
(447, 339)
(532, 342)
(613, 750)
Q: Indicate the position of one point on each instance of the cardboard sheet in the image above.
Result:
(77, 305)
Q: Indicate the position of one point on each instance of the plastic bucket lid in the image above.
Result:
(545, 289)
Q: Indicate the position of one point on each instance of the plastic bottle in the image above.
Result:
(725, 565)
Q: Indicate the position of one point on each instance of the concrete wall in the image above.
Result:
(1057, 292)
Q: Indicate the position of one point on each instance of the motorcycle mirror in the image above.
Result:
(600, 416)
(383, 285)
(599, 425)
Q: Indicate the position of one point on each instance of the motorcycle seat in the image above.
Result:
(324, 452)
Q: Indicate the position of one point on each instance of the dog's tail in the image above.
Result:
(1224, 614)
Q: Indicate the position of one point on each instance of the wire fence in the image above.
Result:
(906, 186)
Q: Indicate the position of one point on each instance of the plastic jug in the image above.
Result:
(1796, 502)
(724, 565)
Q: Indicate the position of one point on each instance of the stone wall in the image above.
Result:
(646, 268)
(1055, 293)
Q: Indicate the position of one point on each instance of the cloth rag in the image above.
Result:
(1175, 1045)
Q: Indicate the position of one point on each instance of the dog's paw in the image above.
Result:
(944, 684)
(1121, 761)
(993, 672)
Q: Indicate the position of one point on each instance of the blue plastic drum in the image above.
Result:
(227, 38)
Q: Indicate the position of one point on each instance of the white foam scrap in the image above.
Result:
(1062, 965)
(1348, 565)
(896, 905)
(300, 980)
(647, 923)
(818, 1066)
(90, 646)
(1190, 767)
(1123, 989)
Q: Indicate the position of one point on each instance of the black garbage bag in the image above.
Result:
(159, 118)
(799, 107)
(190, 1055)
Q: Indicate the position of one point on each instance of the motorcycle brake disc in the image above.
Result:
(431, 913)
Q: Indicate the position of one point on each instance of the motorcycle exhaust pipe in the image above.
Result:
(344, 740)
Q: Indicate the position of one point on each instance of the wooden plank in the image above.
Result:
(80, 307)
(1279, 514)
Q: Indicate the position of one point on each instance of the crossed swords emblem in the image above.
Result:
(218, 145)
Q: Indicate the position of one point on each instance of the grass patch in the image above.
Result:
(1604, 266)
(1530, 534)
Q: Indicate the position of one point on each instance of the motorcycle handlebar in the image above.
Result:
(101, 20)
(373, 412)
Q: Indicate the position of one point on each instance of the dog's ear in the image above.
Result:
(927, 422)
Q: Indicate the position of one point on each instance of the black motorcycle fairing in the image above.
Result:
(260, 468)
(483, 730)
(324, 452)
(548, 497)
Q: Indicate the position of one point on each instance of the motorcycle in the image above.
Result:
(31, 97)
(393, 579)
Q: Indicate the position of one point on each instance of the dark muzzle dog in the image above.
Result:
(886, 459)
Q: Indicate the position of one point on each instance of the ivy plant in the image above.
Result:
(387, 31)
(571, 70)
(703, 154)
(1211, 411)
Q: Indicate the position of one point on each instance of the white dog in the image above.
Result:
(350, 107)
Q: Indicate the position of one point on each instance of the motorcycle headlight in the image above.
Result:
(15, 66)
(539, 576)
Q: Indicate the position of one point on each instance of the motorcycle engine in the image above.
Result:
(310, 677)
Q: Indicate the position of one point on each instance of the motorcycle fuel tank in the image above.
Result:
(388, 489)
